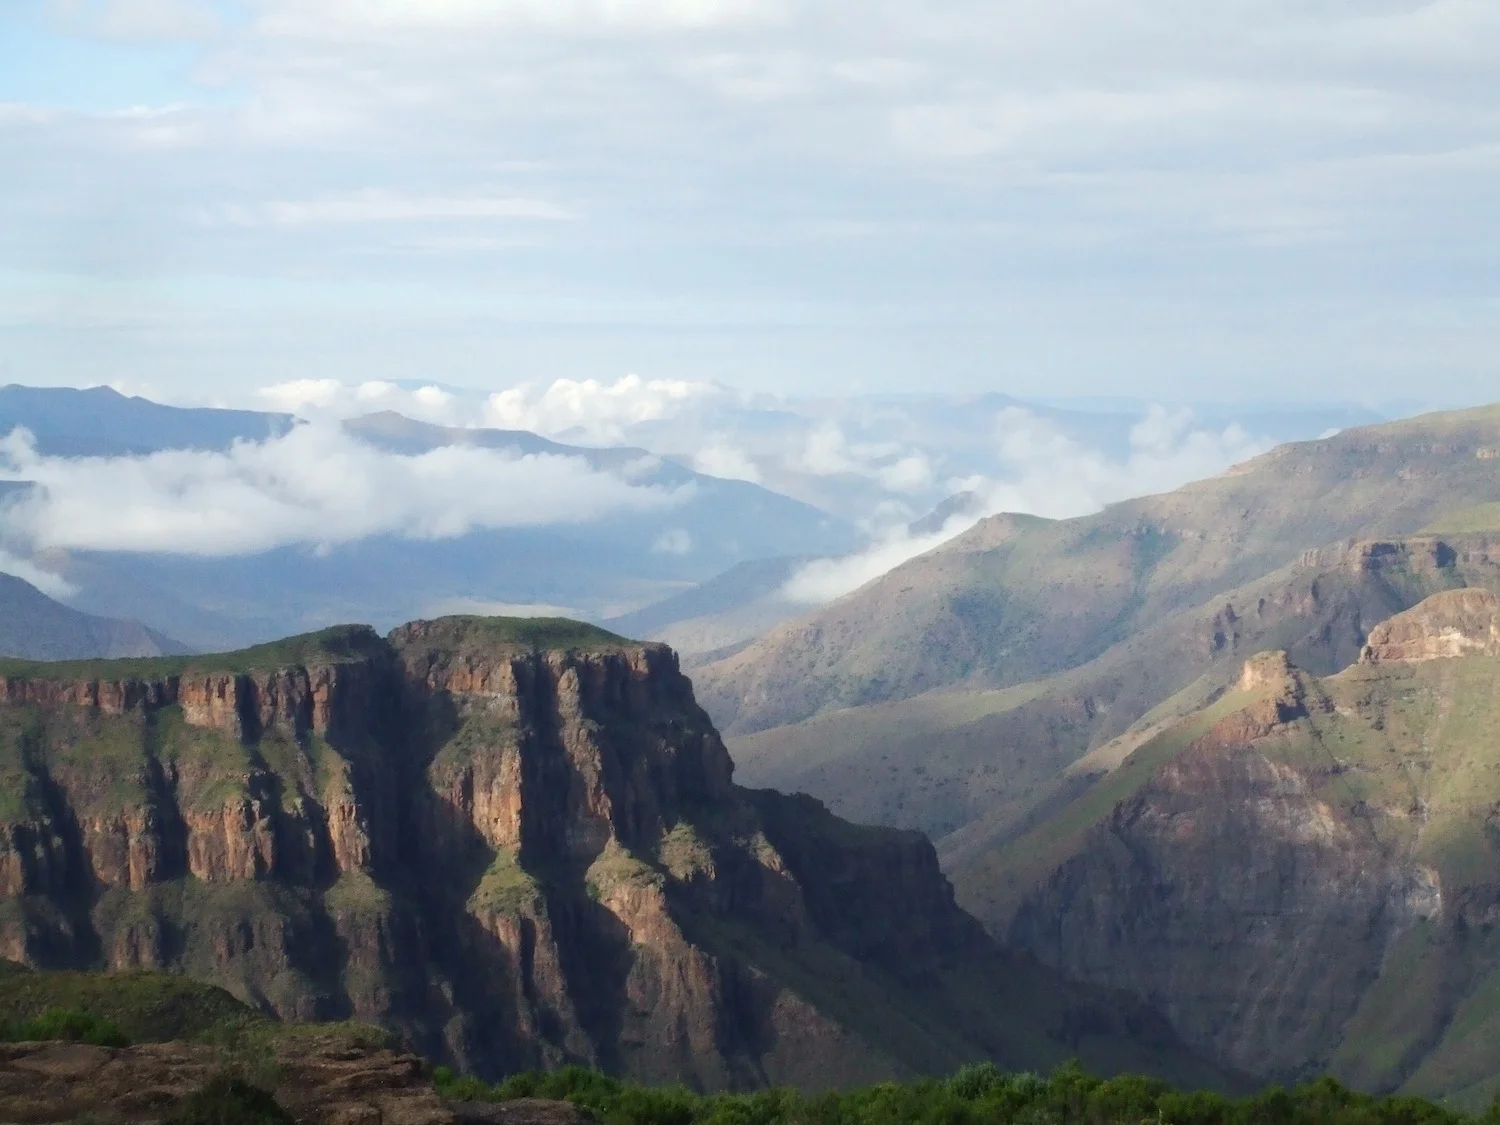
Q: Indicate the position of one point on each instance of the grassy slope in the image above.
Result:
(973, 768)
(336, 644)
(1403, 737)
(1018, 598)
(333, 645)
(148, 1007)
(462, 634)
(991, 882)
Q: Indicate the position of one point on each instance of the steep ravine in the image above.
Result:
(516, 848)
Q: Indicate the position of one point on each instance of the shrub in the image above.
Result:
(229, 1101)
(72, 1025)
(979, 1094)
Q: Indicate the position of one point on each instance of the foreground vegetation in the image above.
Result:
(116, 1009)
(977, 1095)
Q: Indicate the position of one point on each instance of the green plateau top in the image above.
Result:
(338, 644)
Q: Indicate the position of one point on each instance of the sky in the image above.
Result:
(1249, 200)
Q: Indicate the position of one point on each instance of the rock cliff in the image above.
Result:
(1306, 874)
(516, 843)
(1456, 623)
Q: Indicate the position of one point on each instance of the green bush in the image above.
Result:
(229, 1101)
(980, 1094)
(69, 1024)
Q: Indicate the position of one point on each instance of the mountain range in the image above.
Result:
(517, 843)
(37, 627)
(1290, 857)
(212, 598)
(951, 694)
(1202, 785)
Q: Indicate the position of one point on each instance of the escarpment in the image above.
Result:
(1305, 875)
(1452, 624)
(516, 843)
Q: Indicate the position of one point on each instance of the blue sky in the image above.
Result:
(1251, 200)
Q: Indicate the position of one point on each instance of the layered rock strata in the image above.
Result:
(1306, 874)
(514, 853)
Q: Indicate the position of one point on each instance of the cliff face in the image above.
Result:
(1456, 623)
(1306, 875)
(516, 852)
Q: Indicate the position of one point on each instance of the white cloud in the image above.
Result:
(822, 580)
(677, 541)
(827, 452)
(721, 459)
(320, 398)
(487, 607)
(136, 19)
(333, 17)
(302, 394)
(376, 206)
(315, 486)
(51, 584)
(593, 411)
(1044, 472)
(912, 473)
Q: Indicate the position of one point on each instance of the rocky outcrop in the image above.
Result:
(1304, 876)
(515, 853)
(317, 1081)
(1445, 626)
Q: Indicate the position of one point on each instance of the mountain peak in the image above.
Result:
(1268, 669)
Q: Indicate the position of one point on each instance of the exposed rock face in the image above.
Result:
(316, 1082)
(1456, 623)
(516, 856)
(1307, 877)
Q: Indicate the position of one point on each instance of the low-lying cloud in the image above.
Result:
(43, 579)
(588, 410)
(828, 452)
(1044, 472)
(329, 398)
(315, 485)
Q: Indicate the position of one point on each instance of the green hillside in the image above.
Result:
(336, 644)
(1303, 874)
(973, 768)
(1017, 598)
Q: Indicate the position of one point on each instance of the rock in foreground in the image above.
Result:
(316, 1081)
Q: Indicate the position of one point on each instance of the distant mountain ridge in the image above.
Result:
(729, 609)
(597, 568)
(34, 627)
(102, 422)
(1019, 598)
(979, 691)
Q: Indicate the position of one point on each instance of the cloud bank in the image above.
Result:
(1044, 472)
(315, 486)
(596, 412)
(782, 194)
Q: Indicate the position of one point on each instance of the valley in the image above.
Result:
(749, 562)
(275, 821)
(1119, 788)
